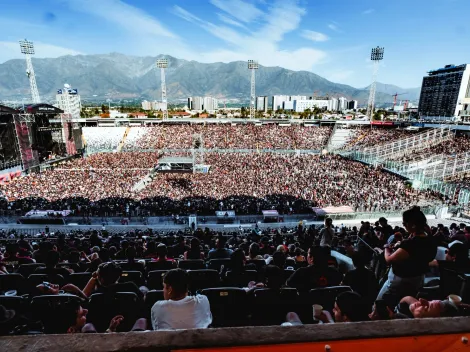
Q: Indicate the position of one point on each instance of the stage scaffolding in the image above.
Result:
(29, 156)
(67, 133)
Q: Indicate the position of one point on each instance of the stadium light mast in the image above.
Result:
(377, 55)
(253, 66)
(162, 64)
(27, 48)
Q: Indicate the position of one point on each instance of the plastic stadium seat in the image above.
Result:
(49, 310)
(155, 279)
(270, 306)
(194, 264)
(229, 306)
(103, 307)
(152, 266)
(79, 279)
(260, 263)
(37, 279)
(216, 264)
(133, 276)
(150, 298)
(326, 296)
(290, 262)
(28, 269)
(12, 282)
(288, 273)
(201, 279)
(240, 279)
(301, 264)
(18, 303)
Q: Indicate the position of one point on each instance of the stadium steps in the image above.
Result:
(121, 145)
(340, 137)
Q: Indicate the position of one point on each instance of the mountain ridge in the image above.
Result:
(120, 76)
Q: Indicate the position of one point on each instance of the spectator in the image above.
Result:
(327, 233)
(317, 274)
(132, 264)
(410, 261)
(52, 259)
(194, 251)
(180, 248)
(361, 279)
(164, 263)
(178, 310)
(220, 252)
(350, 307)
(421, 308)
(253, 253)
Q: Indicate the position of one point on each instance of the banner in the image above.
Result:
(29, 157)
(382, 123)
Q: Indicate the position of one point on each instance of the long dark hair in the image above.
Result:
(415, 219)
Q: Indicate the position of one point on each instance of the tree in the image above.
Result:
(96, 111)
(243, 111)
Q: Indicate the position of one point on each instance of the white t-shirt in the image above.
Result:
(326, 235)
(192, 312)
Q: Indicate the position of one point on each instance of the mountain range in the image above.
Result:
(117, 76)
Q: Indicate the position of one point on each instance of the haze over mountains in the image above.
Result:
(119, 76)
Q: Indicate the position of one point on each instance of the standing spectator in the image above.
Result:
(410, 261)
(178, 310)
(327, 233)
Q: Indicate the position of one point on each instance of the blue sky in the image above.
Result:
(332, 38)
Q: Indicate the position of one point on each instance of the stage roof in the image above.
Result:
(7, 110)
(175, 160)
(42, 109)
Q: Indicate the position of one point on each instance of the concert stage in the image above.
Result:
(175, 164)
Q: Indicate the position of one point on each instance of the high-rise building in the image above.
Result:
(262, 103)
(197, 103)
(446, 92)
(342, 103)
(146, 105)
(68, 100)
(190, 103)
(278, 101)
(352, 105)
(333, 104)
(304, 104)
(210, 104)
(297, 97)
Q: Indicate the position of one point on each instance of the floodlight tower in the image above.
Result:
(162, 64)
(253, 66)
(27, 48)
(377, 55)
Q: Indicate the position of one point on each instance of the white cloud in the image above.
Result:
(314, 36)
(334, 27)
(339, 75)
(230, 21)
(11, 50)
(124, 15)
(241, 10)
(368, 11)
(263, 45)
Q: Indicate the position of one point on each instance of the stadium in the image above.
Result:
(262, 220)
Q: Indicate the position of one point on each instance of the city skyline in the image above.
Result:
(330, 38)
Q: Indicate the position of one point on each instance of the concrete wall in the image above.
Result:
(163, 341)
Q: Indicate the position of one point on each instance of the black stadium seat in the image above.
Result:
(103, 307)
(150, 298)
(18, 303)
(155, 279)
(270, 306)
(12, 282)
(216, 264)
(28, 269)
(229, 306)
(37, 279)
(240, 279)
(194, 264)
(132, 276)
(326, 296)
(201, 279)
(79, 279)
(152, 266)
(260, 263)
(49, 310)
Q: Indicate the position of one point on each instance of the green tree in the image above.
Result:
(96, 111)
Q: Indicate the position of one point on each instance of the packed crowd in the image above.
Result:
(367, 137)
(226, 136)
(246, 183)
(457, 145)
(169, 281)
(100, 139)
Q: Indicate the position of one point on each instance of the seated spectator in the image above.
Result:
(52, 259)
(220, 252)
(180, 248)
(253, 253)
(361, 279)
(105, 280)
(299, 258)
(317, 274)
(421, 308)
(132, 264)
(13, 258)
(456, 257)
(278, 259)
(151, 250)
(238, 262)
(164, 263)
(121, 255)
(194, 251)
(178, 310)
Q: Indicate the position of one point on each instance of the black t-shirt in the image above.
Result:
(362, 281)
(421, 250)
(305, 279)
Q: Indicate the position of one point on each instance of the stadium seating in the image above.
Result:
(233, 279)
(270, 306)
(155, 279)
(201, 279)
(132, 276)
(191, 264)
(79, 279)
(12, 281)
(229, 306)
